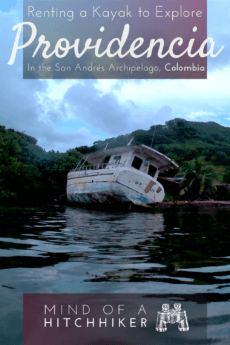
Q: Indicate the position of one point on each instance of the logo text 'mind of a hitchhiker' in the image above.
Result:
(63, 46)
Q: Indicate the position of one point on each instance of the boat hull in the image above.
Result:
(107, 186)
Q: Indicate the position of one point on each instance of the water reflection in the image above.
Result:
(170, 247)
(114, 237)
(69, 250)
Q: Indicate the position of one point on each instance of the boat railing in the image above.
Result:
(98, 166)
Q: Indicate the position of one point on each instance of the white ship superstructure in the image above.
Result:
(122, 174)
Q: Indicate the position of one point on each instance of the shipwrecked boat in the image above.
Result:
(124, 174)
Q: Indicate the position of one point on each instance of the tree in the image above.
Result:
(226, 177)
(199, 179)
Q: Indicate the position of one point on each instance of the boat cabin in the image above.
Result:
(140, 157)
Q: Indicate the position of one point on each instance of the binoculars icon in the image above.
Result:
(174, 315)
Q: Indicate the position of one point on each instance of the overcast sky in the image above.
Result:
(63, 114)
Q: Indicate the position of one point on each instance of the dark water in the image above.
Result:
(69, 250)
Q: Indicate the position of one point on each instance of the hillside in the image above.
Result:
(180, 140)
(28, 173)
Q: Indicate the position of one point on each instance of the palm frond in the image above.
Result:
(198, 175)
(202, 184)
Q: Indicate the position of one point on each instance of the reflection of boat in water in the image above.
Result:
(122, 174)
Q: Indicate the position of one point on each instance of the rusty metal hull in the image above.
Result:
(113, 185)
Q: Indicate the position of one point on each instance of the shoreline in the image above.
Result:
(196, 204)
(193, 204)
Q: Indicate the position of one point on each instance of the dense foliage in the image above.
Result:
(198, 180)
(27, 172)
(182, 141)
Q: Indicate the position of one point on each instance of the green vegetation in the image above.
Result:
(199, 178)
(180, 140)
(27, 172)
(185, 142)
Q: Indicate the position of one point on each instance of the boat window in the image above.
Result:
(152, 170)
(104, 162)
(116, 159)
(106, 159)
(137, 163)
